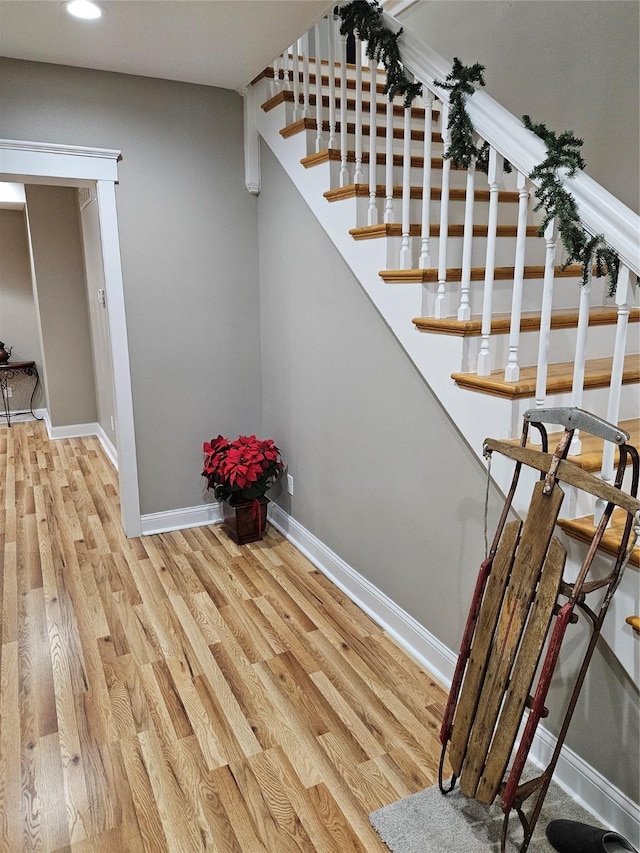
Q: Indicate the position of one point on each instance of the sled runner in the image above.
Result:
(521, 604)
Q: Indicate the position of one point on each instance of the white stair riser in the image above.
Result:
(562, 347)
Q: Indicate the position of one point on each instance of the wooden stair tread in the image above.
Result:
(529, 321)
(324, 78)
(597, 374)
(417, 276)
(455, 194)
(394, 229)
(303, 124)
(286, 96)
(584, 528)
(590, 458)
(333, 155)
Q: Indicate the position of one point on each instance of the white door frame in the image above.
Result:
(71, 165)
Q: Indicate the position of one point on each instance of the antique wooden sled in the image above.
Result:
(522, 604)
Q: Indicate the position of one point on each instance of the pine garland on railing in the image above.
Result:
(563, 152)
(461, 81)
(364, 19)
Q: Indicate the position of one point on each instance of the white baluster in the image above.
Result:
(441, 309)
(388, 169)
(344, 173)
(405, 251)
(372, 213)
(494, 177)
(276, 74)
(297, 108)
(624, 301)
(580, 358)
(285, 70)
(306, 97)
(331, 26)
(464, 309)
(512, 370)
(357, 175)
(551, 238)
(319, 134)
(424, 262)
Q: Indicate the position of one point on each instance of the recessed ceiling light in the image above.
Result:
(85, 9)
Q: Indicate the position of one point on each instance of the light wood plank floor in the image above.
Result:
(179, 693)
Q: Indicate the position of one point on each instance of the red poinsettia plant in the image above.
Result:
(244, 468)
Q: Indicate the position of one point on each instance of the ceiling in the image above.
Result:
(222, 43)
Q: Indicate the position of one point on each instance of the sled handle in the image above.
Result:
(574, 418)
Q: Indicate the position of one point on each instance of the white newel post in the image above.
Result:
(388, 164)
(331, 29)
(318, 66)
(405, 251)
(344, 172)
(372, 213)
(357, 175)
(464, 308)
(624, 301)
(306, 97)
(581, 356)
(424, 262)
(494, 177)
(512, 370)
(551, 238)
(442, 302)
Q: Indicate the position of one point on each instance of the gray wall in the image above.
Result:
(572, 65)
(381, 475)
(62, 304)
(189, 253)
(18, 316)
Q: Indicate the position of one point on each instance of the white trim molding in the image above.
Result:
(46, 161)
(179, 519)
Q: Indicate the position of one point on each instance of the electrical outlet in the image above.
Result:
(113, 423)
(290, 484)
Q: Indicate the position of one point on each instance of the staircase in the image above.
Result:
(452, 258)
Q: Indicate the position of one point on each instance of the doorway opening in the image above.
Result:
(68, 165)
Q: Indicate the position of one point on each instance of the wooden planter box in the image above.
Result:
(245, 520)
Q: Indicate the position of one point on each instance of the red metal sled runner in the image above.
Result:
(520, 600)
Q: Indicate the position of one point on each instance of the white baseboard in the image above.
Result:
(178, 519)
(581, 781)
(108, 446)
(80, 431)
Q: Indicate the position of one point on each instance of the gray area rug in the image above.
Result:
(429, 822)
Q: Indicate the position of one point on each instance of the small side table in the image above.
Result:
(10, 369)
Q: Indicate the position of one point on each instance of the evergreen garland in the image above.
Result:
(364, 19)
(563, 152)
(461, 81)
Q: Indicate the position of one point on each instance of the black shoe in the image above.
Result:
(569, 836)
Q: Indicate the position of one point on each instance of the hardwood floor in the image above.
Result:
(180, 693)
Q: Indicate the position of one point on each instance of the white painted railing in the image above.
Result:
(458, 245)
